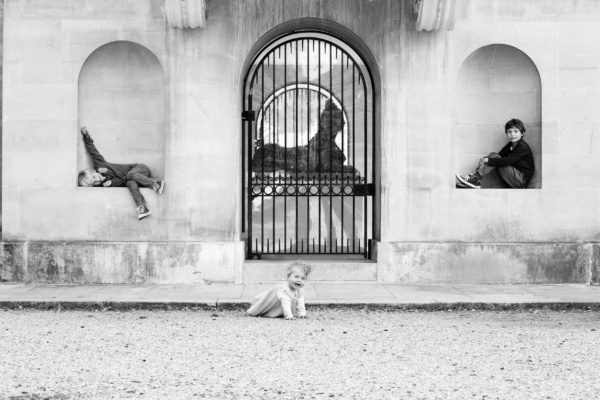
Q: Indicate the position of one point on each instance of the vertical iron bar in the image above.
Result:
(285, 143)
(353, 158)
(308, 142)
(262, 171)
(365, 198)
(341, 161)
(318, 166)
(330, 147)
(296, 142)
(249, 172)
(274, 130)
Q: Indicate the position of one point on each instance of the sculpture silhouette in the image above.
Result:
(320, 155)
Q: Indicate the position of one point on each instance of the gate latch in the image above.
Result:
(248, 115)
(364, 190)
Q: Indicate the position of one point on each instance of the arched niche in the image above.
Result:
(123, 103)
(495, 84)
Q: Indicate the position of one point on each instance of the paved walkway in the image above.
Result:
(231, 295)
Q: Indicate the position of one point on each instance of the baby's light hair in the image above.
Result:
(83, 178)
(300, 266)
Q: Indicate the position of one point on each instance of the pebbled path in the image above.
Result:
(340, 354)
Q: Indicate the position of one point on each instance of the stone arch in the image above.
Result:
(496, 83)
(122, 99)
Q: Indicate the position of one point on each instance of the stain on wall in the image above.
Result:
(122, 263)
(430, 263)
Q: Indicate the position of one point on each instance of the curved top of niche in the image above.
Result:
(496, 68)
(122, 64)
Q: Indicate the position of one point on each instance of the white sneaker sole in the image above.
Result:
(465, 182)
(142, 216)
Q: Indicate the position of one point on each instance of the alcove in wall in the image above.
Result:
(123, 103)
(496, 83)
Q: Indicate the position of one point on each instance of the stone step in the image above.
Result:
(323, 270)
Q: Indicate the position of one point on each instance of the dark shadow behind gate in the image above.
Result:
(308, 147)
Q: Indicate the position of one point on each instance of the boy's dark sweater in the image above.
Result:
(116, 174)
(518, 155)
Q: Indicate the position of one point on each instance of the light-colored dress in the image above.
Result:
(278, 301)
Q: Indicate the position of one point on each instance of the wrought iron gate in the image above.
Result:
(308, 140)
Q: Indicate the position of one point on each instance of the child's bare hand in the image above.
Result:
(84, 131)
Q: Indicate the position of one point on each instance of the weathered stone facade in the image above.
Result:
(437, 115)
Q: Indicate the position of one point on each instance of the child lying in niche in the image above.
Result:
(108, 174)
(514, 163)
(285, 299)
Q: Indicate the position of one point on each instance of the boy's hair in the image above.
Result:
(515, 123)
(83, 178)
(300, 266)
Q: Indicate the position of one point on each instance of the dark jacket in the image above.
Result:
(114, 174)
(519, 156)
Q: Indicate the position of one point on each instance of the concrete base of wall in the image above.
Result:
(207, 262)
(122, 263)
(493, 263)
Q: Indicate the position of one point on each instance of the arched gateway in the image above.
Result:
(308, 139)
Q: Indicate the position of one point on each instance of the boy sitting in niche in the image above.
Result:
(107, 174)
(514, 163)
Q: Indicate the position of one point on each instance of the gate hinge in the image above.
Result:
(248, 115)
(364, 190)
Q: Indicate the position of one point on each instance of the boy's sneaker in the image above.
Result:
(461, 185)
(472, 181)
(159, 186)
(143, 212)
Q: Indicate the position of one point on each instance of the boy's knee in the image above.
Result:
(130, 184)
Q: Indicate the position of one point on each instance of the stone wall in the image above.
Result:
(420, 215)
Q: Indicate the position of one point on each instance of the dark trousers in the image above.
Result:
(509, 174)
(139, 176)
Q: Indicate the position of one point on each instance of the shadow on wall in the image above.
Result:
(495, 84)
(123, 102)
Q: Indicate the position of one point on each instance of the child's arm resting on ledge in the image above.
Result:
(114, 182)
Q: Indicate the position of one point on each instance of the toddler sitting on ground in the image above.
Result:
(286, 299)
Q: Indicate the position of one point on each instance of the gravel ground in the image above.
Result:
(342, 354)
